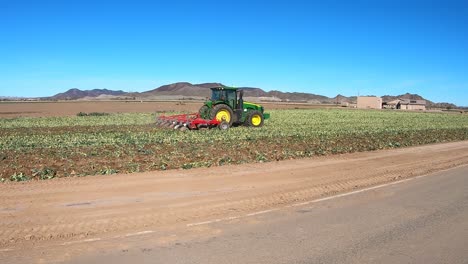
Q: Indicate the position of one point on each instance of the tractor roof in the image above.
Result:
(224, 88)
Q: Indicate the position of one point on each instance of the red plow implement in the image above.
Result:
(189, 122)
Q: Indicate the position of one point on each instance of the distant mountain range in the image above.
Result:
(75, 93)
(185, 90)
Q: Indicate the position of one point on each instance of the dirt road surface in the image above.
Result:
(36, 217)
(420, 220)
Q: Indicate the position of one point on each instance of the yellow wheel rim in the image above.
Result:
(223, 115)
(256, 120)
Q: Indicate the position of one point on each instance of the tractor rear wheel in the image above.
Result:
(222, 112)
(254, 119)
(204, 111)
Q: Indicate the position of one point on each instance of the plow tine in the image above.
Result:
(183, 122)
(161, 122)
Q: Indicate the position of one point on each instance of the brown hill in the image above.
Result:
(181, 89)
(300, 97)
(202, 90)
(430, 104)
(387, 98)
(75, 93)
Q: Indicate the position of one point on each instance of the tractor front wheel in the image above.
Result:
(222, 112)
(254, 119)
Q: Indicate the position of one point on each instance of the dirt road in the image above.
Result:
(422, 220)
(61, 211)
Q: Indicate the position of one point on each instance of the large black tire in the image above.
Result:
(222, 110)
(204, 111)
(254, 119)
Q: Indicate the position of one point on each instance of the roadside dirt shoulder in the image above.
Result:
(100, 206)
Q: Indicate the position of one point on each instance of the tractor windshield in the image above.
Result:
(218, 95)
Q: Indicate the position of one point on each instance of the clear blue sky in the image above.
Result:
(324, 47)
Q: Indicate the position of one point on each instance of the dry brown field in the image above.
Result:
(70, 108)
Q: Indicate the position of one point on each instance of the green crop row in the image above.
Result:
(81, 120)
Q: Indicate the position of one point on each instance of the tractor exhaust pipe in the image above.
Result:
(240, 105)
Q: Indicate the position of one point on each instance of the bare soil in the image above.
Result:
(70, 209)
(71, 108)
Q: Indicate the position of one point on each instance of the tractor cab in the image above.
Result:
(224, 95)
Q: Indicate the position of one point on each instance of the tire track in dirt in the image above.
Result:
(68, 209)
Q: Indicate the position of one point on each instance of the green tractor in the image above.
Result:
(226, 105)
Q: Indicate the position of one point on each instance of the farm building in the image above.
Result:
(413, 104)
(406, 104)
(369, 102)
